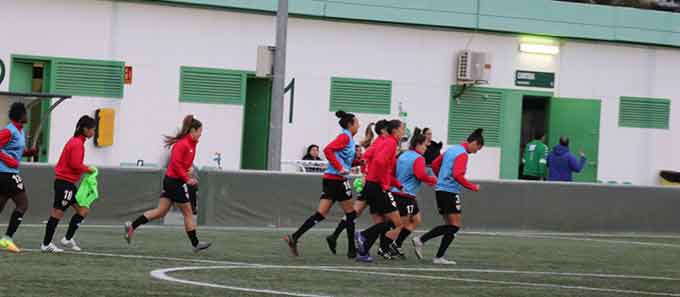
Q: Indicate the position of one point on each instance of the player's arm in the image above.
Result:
(5, 136)
(437, 164)
(421, 173)
(459, 170)
(77, 153)
(337, 144)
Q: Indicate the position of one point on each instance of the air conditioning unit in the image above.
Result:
(473, 67)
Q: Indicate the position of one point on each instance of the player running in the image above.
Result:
(411, 173)
(336, 187)
(360, 202)
(68, 171)
(12, 148)
(379, 180)
(176, 182)
(451, 168)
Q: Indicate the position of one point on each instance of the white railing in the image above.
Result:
(304, 166)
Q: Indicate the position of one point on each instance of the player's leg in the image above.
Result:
(325, 205)
(77, 218)
(164, 205)
(56, 215)
(447, 203)
(350, 217)
(359, 206)
(21, 206)
(190, 227)
(454, 224)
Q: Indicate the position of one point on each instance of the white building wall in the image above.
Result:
(156, 40)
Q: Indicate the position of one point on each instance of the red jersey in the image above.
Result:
(381, 162)
(182, 158)
(70, 166)
(459, 169)
(5, 137)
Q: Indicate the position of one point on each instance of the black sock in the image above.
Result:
(341, 226)
(309, 223)
(435, 232)
(192, 237)
(14, 222)
(371, 234)
(350, 221)
(141, 220)
(402, 236)
(49, 230)
(446, 240)
(76, 219)
(384, 242)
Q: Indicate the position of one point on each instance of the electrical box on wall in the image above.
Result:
(103, 136)
(265, 61)
(473, 67)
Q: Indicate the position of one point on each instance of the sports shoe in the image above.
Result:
(417, 247)
(292, 245)
(51, 248)
(129, 231)
(332, 244)
(385, 254)
(359, 241)
(201, 246)
(364, 258)
(72, 244)
(442, 261)
(397, 253)
(7, 244)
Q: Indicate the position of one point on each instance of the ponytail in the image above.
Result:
(418, 138)
(345, 118)
(85, 122)
(392, 125)
(189, 123)
(476, 136)
(368, 136)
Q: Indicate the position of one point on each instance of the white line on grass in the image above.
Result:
(498, 271)
(162, 274)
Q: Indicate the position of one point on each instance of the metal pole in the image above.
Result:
(278, 85)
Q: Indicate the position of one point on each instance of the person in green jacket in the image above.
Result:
(535, 158)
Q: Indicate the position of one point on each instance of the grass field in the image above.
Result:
(247, 263)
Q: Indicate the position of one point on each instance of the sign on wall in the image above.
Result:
(535, 79)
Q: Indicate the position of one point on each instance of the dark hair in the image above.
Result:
(382, 124)
(17, 112)
(345, 118)
(418, 138)
(392, 125)
(310, 147)
(368, 136)
(564, 141)
(425, 130)
(476, 136)
(538, 134)
(189, 123)
(85, 122)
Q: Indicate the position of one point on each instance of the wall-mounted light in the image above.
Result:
(544, 49)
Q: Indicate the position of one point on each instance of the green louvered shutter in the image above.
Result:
(651, 113)
(361, 95)
(81, 77)
(211, 85)
(476, 108)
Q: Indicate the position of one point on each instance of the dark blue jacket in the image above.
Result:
(561, 163)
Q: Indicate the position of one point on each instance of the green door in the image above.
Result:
(22, 80)
(578, 119)
(256, 124)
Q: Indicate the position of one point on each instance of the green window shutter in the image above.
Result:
(211, 85)
(476, 108)
(361, 95)
(651, 113)
(88, 77)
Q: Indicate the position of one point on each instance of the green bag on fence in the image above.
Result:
(87, 192)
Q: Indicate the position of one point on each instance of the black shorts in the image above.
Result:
(336, 190)
(175, 190)
(64, 194)
(380, 202)
(11, 184)
(408, 206)
(448, 203)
